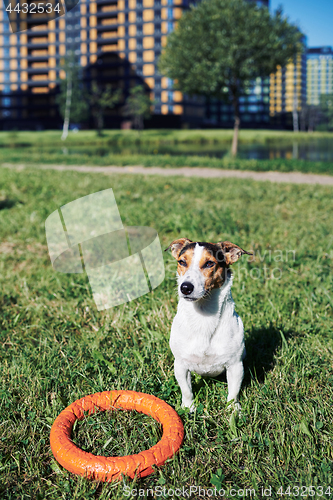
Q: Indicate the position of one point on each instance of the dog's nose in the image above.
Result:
(186, 288)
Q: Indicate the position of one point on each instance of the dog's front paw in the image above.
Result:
(238, 409)
(235, 407)
(189, 405)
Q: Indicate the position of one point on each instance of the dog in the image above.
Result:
(207, 336)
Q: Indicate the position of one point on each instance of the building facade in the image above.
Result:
(288, 92)
(115, 41)
(319, 74)
(118, 42)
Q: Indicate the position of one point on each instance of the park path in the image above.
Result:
(291, 177)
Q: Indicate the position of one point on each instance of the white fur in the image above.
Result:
(207, 336)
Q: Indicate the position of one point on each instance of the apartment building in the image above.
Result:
(288, 92)
(119, 42)
(115, 41)
(319, 74)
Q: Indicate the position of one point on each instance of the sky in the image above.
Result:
(313, 17)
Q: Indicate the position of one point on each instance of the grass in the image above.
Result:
(156, 136)
(56, 347)
(166, 148)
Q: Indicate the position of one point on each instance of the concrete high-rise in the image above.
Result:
(288, 92)
(115, 41)
(319, 74)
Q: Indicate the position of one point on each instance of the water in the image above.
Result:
(311, 150)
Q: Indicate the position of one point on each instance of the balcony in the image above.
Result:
(101, 3)
(38, 57)
(37, 42)
(107, 41)
(108, 27)
(110, 15)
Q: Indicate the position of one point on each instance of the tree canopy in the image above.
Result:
(220, 46)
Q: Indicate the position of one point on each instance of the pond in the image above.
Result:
(311, 149)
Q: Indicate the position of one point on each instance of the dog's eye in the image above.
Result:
(182, 263)
(209, 263)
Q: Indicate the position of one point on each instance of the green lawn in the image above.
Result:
(56, 347)
(165, 148)
(156, 136)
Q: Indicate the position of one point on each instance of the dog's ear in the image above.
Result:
(231, 252)
(177, 245)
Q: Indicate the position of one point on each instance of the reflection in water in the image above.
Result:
(314, 150)
(311, 149)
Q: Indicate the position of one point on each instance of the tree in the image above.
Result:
(71, 105)
(310, 117)
(138, 106)
(326, 107)
(99, 100)
(220, 46)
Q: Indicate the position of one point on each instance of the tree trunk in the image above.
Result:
(100, 122)
(67, 107)
(234, 145)
(235, 103)
(311, 120)
(295, 114)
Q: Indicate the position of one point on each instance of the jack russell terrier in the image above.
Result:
(207, 336)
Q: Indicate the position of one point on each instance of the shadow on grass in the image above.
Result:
(6, 203)
(261, 346)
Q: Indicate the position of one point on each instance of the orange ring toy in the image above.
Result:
(112, 468)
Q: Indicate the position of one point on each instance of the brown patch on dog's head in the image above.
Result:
(185, 247)
(213, 271)
(177, 245)
(231, 252)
